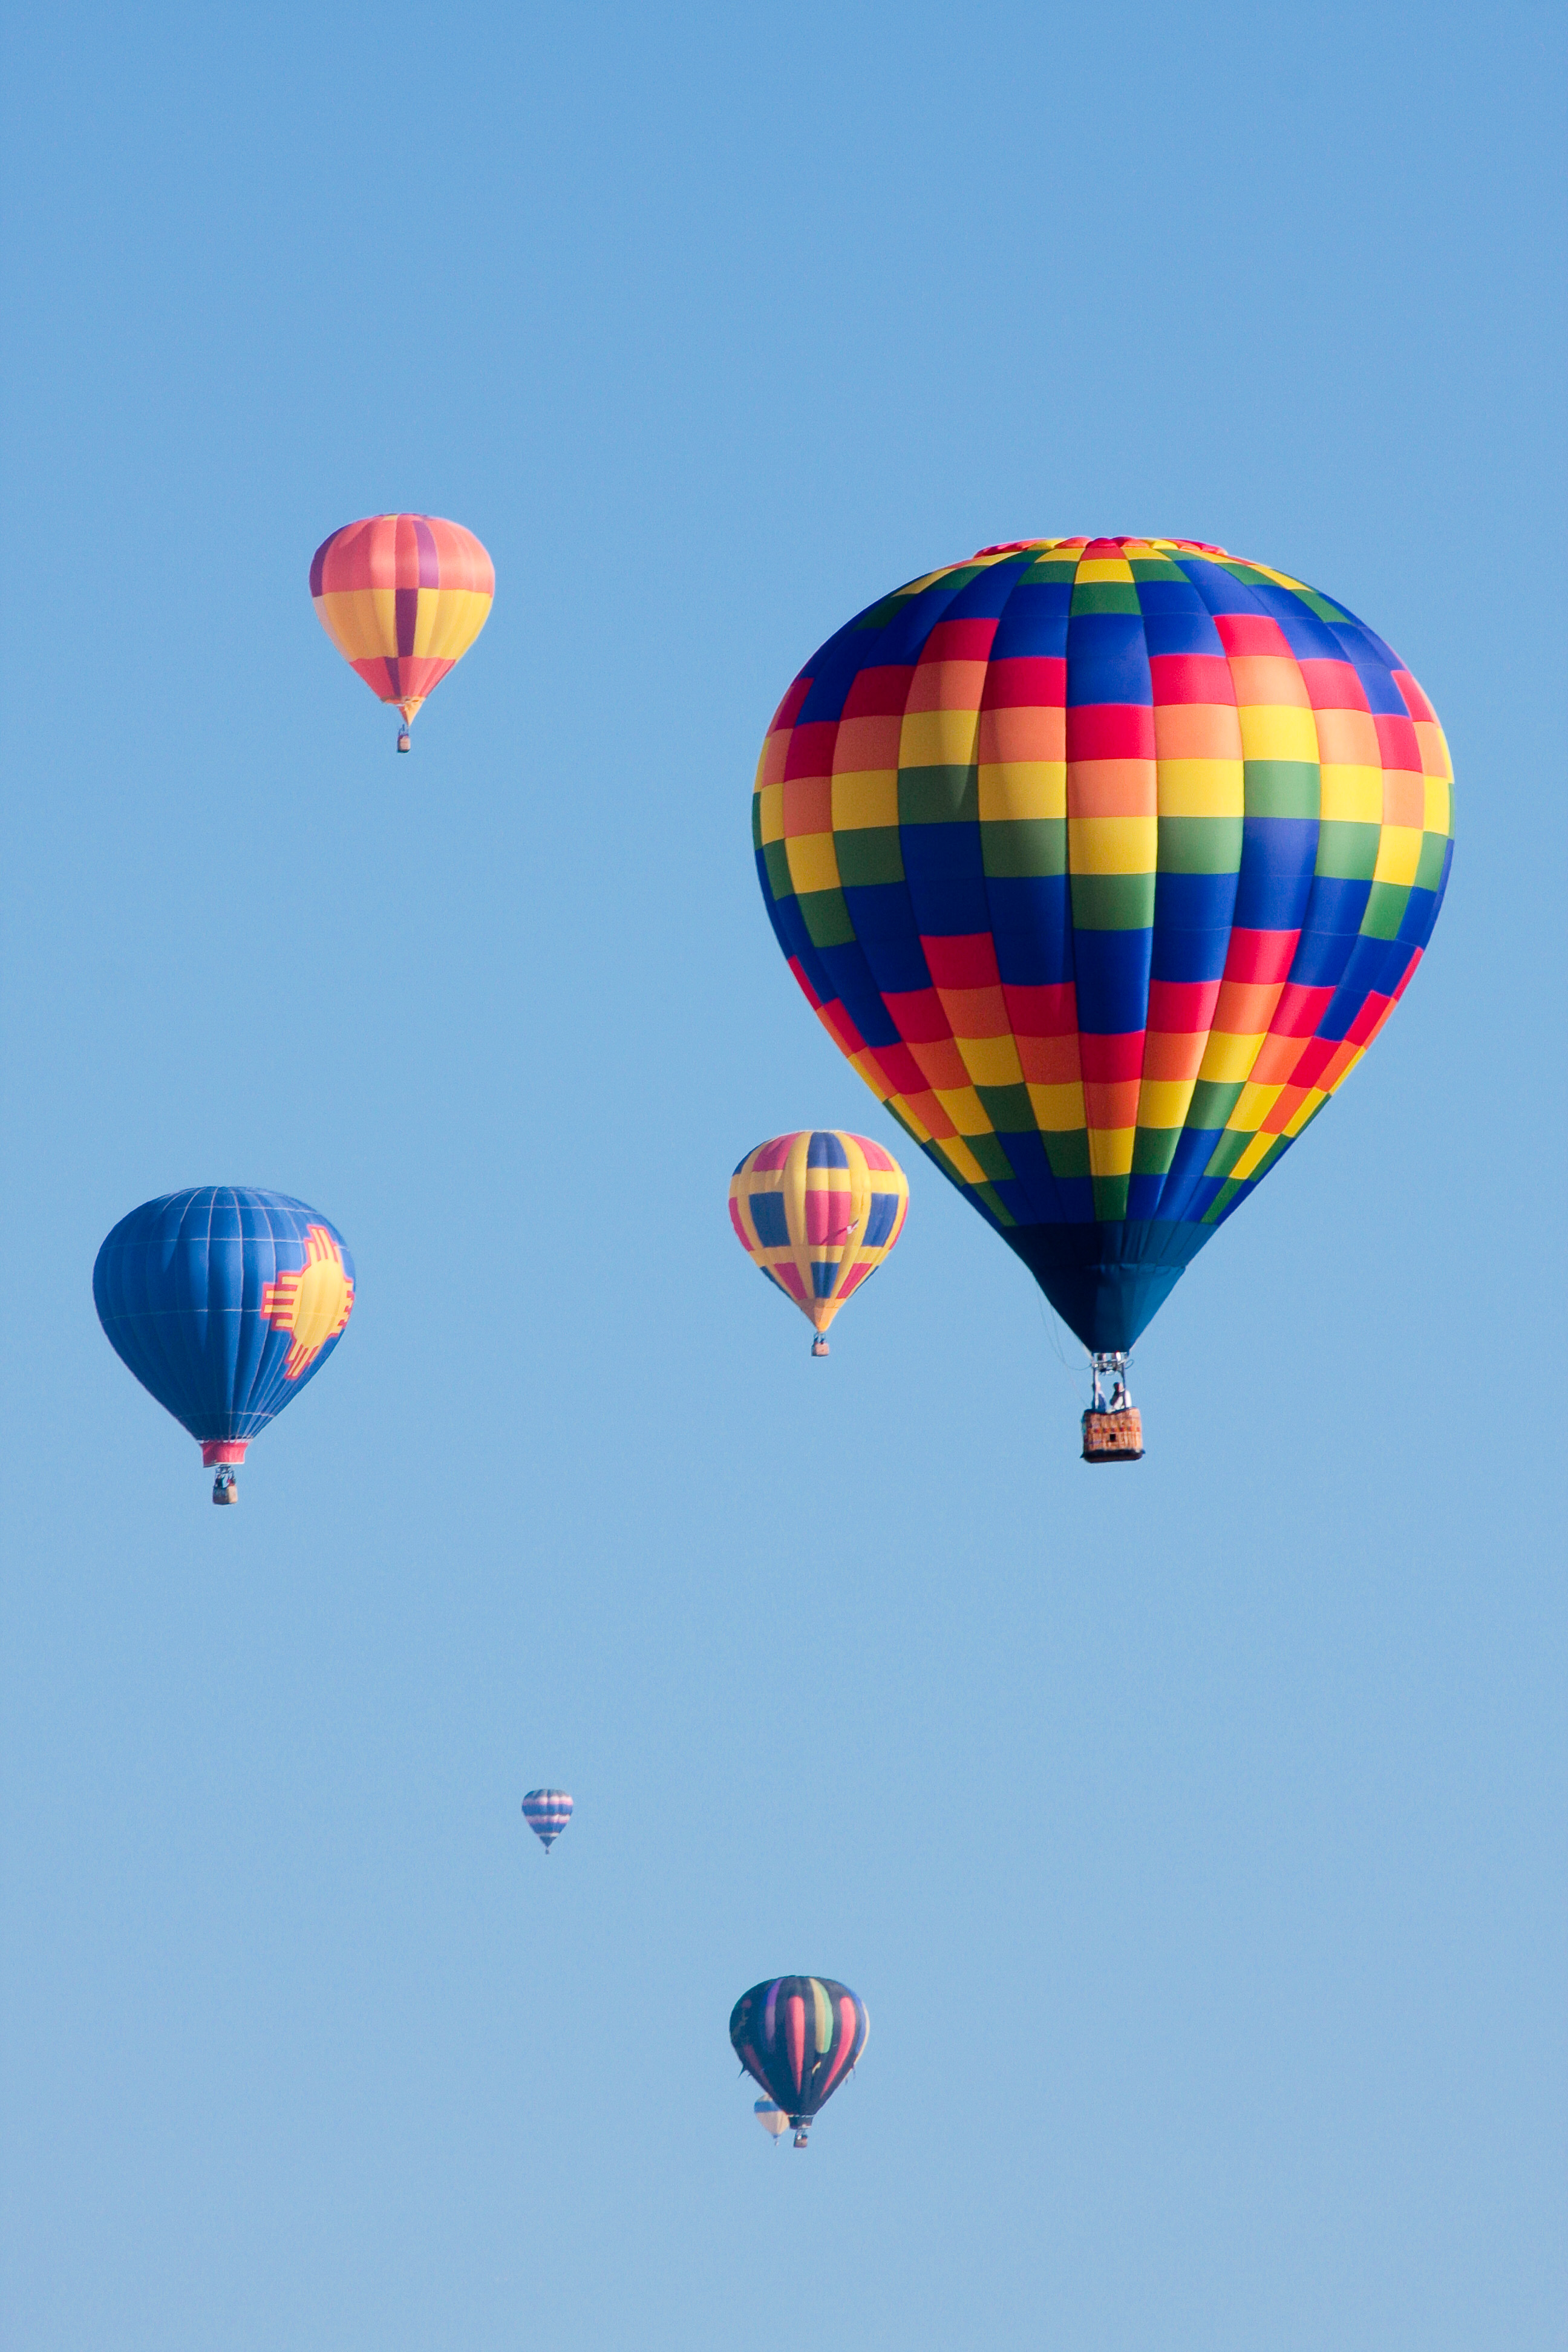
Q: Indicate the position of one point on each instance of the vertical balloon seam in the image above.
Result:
(270, 1385)
(220, 1330)
(169, 1327)
(929, 1144)
(259, 1392)
(918, 589)
(831, 993)
(1252, 812)
(1303, 930)
(157, 1336)
(1240, 588)
(941, 614)
(1070, 955)
(795, 2040)
(1157, 1203)
(793, 1185)
(836, 1253)
(180, 1330)
(852, 1248)
(1170, 1189)
(118, 1286)
(253, 1408)
(243, 1362)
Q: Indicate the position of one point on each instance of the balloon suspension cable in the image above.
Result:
(1110, 1364)
(225, 1486)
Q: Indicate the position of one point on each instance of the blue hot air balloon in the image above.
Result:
(225, 1301)
(547, 1812)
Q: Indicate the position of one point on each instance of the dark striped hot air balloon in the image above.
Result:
(547, 1812)
(800, 2038)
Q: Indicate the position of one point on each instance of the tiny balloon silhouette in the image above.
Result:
(547, 1812)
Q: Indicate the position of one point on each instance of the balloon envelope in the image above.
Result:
(547, 1812)
(1104, 861)
(799, 2037)
(402, 596)
(225, 1302)
(771, 2116)
(819, 1211)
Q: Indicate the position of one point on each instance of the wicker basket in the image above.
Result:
(1113, 1436)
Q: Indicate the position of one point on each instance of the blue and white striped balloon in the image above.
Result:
(547, 1812)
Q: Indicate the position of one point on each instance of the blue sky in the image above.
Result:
(1195, 1837)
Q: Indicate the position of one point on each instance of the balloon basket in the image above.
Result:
(1113, 1436)
(405, 740)
(819, 1346)
(225, 1486)
(799, 2139)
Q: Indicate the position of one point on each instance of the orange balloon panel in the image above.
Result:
(402, 596)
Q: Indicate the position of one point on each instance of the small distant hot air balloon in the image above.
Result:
(771, 2117)
(799, 2038)
(1104, 861)
(547, 1812)
(225, 1301)
(402, 596)
(819, 1211)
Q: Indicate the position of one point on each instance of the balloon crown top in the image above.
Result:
(1080, 539)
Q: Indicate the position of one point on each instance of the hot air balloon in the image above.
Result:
(799, 2038)
(225, 1302)
(402, 596)
(771, 2117)
(1104, 861)
(547, 1812)
(818, 1212)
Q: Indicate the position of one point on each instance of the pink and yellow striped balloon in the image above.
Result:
(402, 596)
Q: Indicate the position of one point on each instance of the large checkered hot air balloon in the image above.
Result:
(225, 1302)
(799, 2038)
(1104, 861)
(819, 1211)
(402, 596)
